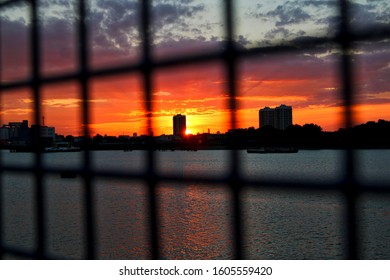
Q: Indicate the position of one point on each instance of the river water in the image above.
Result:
(195, 219)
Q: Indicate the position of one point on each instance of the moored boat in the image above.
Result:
(266, 150)
(61, 147)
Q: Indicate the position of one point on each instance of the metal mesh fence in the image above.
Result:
(234, 181)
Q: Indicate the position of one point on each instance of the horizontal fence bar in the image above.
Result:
(252, 182)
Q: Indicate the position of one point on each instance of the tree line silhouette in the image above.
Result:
(369, 135)
(308, 136)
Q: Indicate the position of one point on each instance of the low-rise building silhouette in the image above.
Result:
(15, 132)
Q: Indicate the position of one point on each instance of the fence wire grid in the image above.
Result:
(349, 188)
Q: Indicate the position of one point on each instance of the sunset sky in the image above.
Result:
(308, 81)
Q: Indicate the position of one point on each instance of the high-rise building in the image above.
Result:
(179, 125)
(279, 117)
(266, 117)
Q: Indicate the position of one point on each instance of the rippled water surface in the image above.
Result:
(195, 220)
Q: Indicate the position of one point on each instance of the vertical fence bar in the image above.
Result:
(148, 88)
(1, 154)
(1, 208)
(350, 186)
(91, 245)
(38, 170)
(234, 177)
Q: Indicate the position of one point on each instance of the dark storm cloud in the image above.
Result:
(323, 14)
(174, 12)
(58, 44)
(277, 32)
(171, 20)
(288, 14)
(181, 27)
(292, 19)
(123, 16)
(371, 14)
(115, 27)
(243, 41)
(114, 31)
(116, 21)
